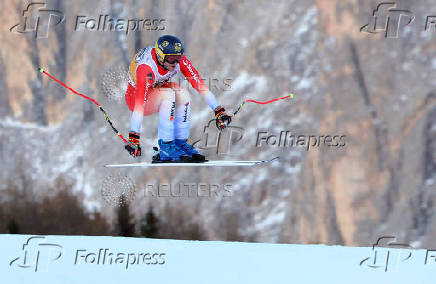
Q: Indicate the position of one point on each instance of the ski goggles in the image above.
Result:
(171, 59)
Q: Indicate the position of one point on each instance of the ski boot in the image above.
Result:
(190, 151)
(169, 152)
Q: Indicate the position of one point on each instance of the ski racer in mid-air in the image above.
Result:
(149, 91)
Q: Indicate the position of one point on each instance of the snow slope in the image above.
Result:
(83, 259)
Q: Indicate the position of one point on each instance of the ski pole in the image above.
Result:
(258, 102)
(42, 71)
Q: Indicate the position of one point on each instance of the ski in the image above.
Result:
(204, 164)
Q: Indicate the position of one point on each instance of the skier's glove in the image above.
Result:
(221, 118)
(133, 145)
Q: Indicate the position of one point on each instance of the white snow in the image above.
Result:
(11, 123)
(257, 83)
(304, 83)
(307, 21)
(275, 217)
(75, 259)
(429, 181)
(243, 42)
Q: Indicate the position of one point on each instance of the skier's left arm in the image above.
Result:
(192, 75)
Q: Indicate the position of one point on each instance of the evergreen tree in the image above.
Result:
(125, 227)
(150, 224)
(12, 226)
(60, 213)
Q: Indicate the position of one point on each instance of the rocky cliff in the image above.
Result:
(373, 89)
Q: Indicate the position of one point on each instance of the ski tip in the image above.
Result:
(267, 161)
(273, 159)
(291, 96)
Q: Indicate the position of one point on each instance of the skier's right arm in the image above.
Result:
(144, 80)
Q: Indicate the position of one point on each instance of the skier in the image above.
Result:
(149, 91)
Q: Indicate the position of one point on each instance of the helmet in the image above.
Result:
(168, 45)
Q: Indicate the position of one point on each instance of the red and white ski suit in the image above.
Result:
(148, 80)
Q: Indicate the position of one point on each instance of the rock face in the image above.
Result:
(373, 89)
